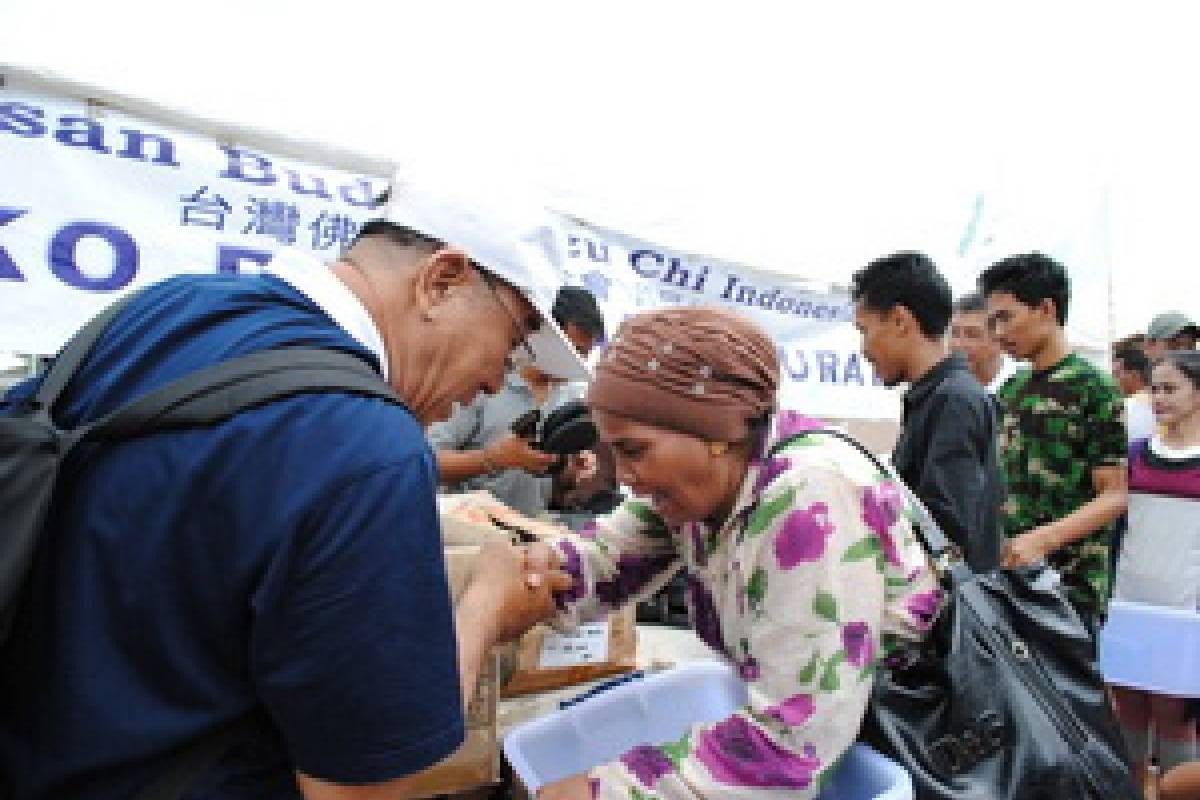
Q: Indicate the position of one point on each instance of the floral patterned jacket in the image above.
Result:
(813, 579)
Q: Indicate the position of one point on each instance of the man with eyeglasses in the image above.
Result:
(274, 585)
(477, 448)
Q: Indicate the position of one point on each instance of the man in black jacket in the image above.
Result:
(946, 452)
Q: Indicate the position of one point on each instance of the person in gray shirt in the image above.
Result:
(476, 448)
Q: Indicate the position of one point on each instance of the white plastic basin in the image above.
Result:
(1152, 648)
(659, 709)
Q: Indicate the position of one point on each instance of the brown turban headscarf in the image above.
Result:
(704, 371)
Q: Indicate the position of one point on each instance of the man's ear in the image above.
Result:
(441, 276)
(901, 319)
(1048, 308)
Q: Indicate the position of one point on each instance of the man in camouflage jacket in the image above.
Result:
(1062, 434)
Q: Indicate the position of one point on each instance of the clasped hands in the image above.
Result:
(515, 585)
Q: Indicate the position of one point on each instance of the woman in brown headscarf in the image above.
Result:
(802, 568)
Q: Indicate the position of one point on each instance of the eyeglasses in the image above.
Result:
(523, 351)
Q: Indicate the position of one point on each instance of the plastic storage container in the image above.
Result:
(661, 708)
(1152, 648)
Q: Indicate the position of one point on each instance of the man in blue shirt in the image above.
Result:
(284, 566)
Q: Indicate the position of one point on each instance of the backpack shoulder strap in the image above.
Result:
(67, 362)
(214, 394)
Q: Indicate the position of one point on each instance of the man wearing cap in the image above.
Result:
(477, 449)
(280, 575)
(1170, 330)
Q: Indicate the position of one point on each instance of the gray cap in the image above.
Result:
(1170, 323)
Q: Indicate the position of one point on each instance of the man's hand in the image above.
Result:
(512, 452)
(511, 592)
(576, 787)
(1028, 548)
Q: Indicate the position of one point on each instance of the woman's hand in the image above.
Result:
(576, 787)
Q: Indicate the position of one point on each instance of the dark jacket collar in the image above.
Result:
(931, 380)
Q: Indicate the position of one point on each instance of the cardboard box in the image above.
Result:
(459, 561)
(472, 518)
(547, 660)
(465, 519)
(544, 659)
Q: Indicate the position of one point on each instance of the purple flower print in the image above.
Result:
(573, 566)
(771, 469)
(749, 669)
(796, 710)
(588, 531)
(738, 754)
(860, 648)
(634, 570)
(802, 537)
(881, 508)
(924, 606)
(594, 787)
(705, 620)
(791, 423)
(647, 763)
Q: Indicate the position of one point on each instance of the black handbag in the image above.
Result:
(1003, 700)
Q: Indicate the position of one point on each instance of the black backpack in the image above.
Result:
(35, 451)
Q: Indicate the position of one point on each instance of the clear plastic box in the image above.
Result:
(660, 708)
(1152, 648)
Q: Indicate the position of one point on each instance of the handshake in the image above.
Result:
(512, 588)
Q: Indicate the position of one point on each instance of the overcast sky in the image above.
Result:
(806, 140)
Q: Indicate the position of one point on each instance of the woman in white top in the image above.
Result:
(1160, 560)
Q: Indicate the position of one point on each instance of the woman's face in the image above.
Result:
(676, 471)
(1172, 394)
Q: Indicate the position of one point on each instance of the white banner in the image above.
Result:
(824, 373)
(95, 202)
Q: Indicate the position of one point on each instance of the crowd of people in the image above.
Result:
(1097, 474)
(282, 572)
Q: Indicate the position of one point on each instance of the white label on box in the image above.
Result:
(587, 645)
